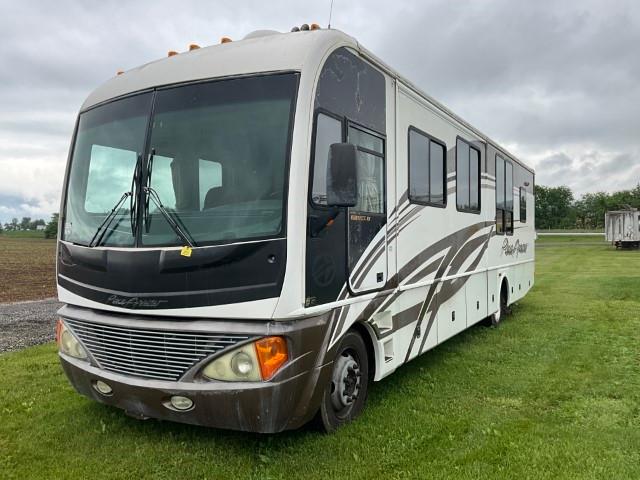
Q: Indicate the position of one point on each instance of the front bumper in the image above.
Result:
(265, 407)
(287, 401)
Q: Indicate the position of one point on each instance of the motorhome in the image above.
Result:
(622, 228)
(253, 232)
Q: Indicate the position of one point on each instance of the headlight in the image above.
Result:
(68, 343)
(252, 362)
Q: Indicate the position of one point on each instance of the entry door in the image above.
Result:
(367, 221)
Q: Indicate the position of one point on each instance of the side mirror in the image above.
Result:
(342, 185)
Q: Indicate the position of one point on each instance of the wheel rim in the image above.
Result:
(345, 382)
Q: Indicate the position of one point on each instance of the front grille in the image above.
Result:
(149, 353)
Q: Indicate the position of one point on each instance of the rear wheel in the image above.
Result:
(345, 395)
(504, 309)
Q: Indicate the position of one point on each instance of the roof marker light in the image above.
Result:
(304, 27)
(314, 26)
(119, 72)
(225, 40)
(295, 29)
(193, 46)
(171, 53)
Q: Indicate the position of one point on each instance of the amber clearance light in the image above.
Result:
(272, 353)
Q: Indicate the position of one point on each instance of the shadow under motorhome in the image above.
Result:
(252, 232)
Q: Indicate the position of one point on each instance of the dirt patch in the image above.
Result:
(27, 269)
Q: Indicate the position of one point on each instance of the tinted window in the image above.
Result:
(370, 171)
(474, 179)
(508, 186)
(499, 182)
(508, 222)
(499, 221)
(504, 196)
(437, 172)
(426, 169)
(418, 167)
(328, 132)
(523, 205)
(467, 176)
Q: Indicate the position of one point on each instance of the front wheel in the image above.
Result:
(345, 395)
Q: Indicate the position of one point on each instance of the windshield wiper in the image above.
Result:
(153, 195)
(133, 204)
(106, 223)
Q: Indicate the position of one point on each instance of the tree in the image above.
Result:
(14, 223)
(1, 230)
(554, 207)
(51, 230)
(25, 223)
(35, 223)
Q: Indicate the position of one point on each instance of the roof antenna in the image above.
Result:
(330, 12)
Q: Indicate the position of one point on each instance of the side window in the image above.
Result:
(328, 131)
(508, 191)
(370, 171)
(467, 177)
(426, 169)
(210, 182)
(504, 196)
(523, 205)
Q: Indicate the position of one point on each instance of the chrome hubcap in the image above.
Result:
(345, 381)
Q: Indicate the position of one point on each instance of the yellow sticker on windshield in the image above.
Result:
(185, 252)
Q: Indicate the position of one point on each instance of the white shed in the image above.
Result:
(622, 227)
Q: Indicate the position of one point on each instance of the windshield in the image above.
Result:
(217, 158)
(109, 140)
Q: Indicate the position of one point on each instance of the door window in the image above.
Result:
(368, 216)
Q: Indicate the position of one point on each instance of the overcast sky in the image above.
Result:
(558, 83)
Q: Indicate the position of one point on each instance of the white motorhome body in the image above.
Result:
(622, 227)
(290, 218)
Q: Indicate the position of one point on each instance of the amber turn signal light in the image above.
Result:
(272, 354)
(59, 326)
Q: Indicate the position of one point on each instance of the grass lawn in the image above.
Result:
(27, 267)
(553, 393)
(23, 234)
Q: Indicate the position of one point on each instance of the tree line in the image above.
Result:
(557, 208)
(49, 229)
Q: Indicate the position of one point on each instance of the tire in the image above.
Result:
(504, 309)
(345, 395)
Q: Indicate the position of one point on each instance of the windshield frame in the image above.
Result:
(139, 190)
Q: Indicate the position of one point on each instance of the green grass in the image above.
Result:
(24, 234)
(556, 240)
(554, 392)
(572, 230)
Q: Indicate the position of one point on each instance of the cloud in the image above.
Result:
(555, 82)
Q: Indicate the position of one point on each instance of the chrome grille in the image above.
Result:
(149, 353)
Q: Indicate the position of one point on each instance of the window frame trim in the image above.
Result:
(430, 138)
(462, 209)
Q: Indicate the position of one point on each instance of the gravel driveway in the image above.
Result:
(27, 323)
